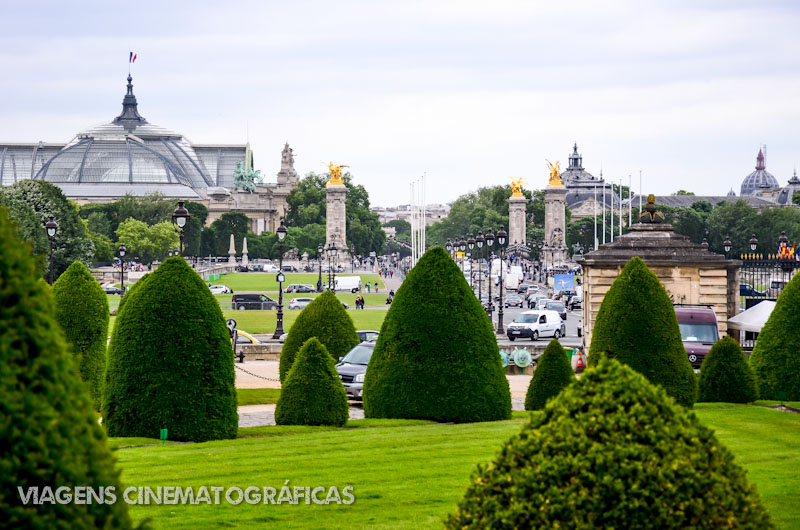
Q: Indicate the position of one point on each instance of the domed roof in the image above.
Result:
(758, 179)
(575, 174)
(786, 193)
(127, 150)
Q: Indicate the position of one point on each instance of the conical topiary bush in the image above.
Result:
(326, 319)
(312, 393)
(725, 375)
(552, 375)
(49, 433)
(170, 362)
(614, 451)
(775, 355)
(436, 356)
(82, 312)
(636, 325)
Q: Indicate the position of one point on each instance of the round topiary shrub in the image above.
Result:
(636, 325)
(170, 362)
(613, 451)
(436, 356)
(326, 319)
(82, 312)
(49, 433)
(774, 357)
(552, 375)
(725, 375)
(312, 393)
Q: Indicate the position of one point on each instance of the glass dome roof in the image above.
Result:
(127, 150)
(758, 179)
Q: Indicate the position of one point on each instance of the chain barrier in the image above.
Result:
(255, 375)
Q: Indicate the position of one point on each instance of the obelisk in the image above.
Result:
(245, 261)
(555, 222)
(336, 212)
(232, 251)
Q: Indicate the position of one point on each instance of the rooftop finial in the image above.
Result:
(130, 112)
(760, 164)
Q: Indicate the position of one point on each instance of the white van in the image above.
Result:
(347, 283)
(535, 324)
(512, 281)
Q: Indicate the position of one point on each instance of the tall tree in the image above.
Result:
(235, 223)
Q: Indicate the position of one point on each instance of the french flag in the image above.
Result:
(132, 58)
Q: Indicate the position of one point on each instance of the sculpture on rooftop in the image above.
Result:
(651, 213)
(336, 175)
(246, 179)
(516, 187)
(555, 173)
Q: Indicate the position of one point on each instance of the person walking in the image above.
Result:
(377, 289)
(368, 287)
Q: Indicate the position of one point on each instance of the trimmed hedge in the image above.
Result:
(552, 375)
(436, 357)
(49, 432)
(613, 451)
(725, 375)
(82, 311)
(170, 362)
(312, 393)
(636, 325)
(774, 357)
(326, 319)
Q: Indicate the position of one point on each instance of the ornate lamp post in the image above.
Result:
(471, 245)
(540, 246)
(180, 218)
(479, 242)
(753, 243)
(331, 273)
(169, 252)
(51, 227)
(462, 246)
(320, 250)
(352, 258)
(448, 246)
(489, 251)
(726, 246)
(501, 241)
(281, 231)
(122, 250)
(783, 241)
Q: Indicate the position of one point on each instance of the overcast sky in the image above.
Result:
(468, 92)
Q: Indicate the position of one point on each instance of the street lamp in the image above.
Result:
(753, 243)
(52, 227)
(479, 242)
(501, 241)
(726, 246)
(449, 247)
(180, 218)
(320, 250)
(471, 245)
(169, 253)
(122, 251)
(352, 258)
(540, 246)
(281, 231)
(489, 244)
(331, 274)
(782, 242)
(704, 244)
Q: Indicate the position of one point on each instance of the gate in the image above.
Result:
(763, 278)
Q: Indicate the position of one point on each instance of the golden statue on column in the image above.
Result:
(336, 175)
(516, 187)
(555, 173)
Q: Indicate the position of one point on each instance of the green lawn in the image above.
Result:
(264, 321)
(406, 475)
(265, 281)
(257, 396)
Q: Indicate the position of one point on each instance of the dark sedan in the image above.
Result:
(514, 300)
(112, 290)
(745, 289)
(558, 307)
(576, 302)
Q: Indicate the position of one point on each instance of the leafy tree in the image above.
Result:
(235, 223)
(103, 248)
(401, 227)
(150, 209)
(636, 325)
(147, 242)
(683, 192)
(72, 243)
(187, 364)
(50, 435)
(613, 451)
(725, 375)
(194, 228)
(304, 239)
(326, 319)
(82, 311)
(98, 223)
(552, 375)
(312, 393)
(774, 357)
(437, 356)
(28, 226)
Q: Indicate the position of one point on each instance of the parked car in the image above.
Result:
(513, 300)
(299, 303)
(576, 302)
(745, 289)
(243, 337)
(289, 268)
(269, 267)
(558, 307)
(367, 335)
(253, 301)
(353, 367)
(220, 289)
(535, 324)
(300, 288)
(699, 331)
(542, 303)
(112, 290)
(775, 288)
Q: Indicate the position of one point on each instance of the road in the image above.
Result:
(571, 339)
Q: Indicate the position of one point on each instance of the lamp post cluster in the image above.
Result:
(332, 252)
(51, 227)
(281, 232)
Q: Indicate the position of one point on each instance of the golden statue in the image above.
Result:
(516, 187)
(555, 173)
(336, 175)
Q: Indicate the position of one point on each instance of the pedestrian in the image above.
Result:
(391, 293)
(359, 284)
(391, 273)
(368, 286)
(357, 303)
(377, 290)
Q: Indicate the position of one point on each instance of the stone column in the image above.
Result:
(245, 260)
(555, 223)
(516, 220)
(232, 251)
(335, 218)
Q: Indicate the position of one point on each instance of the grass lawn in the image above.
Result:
(264, 321)
(406, 475)
(257, 396)
(265, 281)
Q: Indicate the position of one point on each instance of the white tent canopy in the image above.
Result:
(754, 318)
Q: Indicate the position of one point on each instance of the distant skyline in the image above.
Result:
(467, 92)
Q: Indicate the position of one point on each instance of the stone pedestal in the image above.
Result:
(555, 225)
(232, 251)
(335, 219)
(516, 220)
